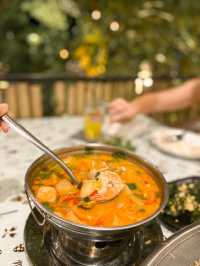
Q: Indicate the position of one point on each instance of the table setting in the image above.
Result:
(142, 136)
(99, 133)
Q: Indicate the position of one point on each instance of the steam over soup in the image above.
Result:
(115, 191)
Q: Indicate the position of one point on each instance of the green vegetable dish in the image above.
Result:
(183, 207)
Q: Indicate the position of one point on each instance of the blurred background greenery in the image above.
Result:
(59, 56)
(95, 38)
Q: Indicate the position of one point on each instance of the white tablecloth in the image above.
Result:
(16, 155)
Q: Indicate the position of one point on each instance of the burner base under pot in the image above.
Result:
(79, 252)
(126, 252)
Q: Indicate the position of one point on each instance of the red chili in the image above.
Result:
(93, 193)
(70, 196)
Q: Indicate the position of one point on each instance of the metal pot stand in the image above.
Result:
(70, 244)
(42, 249)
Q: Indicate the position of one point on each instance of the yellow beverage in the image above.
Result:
(93, 125)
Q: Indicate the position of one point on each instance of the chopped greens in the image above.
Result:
(86, 199)
(97, 174)
(119, 155)
(47, 206)
(89, 150)
(86, 203)
(139, 196)
(45, 174)
(184, 199)
(119, 142)
(132, 186)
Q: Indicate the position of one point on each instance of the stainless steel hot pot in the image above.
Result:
(82, 237)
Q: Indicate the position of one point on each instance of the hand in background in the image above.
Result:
(3, 110)
(121, 110)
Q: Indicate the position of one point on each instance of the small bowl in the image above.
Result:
(174, 223)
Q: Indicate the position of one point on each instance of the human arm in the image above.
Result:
(176, 98)
(3, 110)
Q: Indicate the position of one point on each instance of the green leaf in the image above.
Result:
(89, 150)
(97, 174)
(47, 206)
(44, 174)
(120, 142)
(86, 199)
(132, 186)
(119, 155)
(139, 196)
(86, 203)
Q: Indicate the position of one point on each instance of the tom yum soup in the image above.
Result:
(115, 191)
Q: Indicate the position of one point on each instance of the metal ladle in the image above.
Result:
(27, 135)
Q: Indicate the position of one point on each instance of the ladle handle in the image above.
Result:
(27, 135)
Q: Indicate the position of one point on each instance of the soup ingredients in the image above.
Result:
(104, 186)
(46, 194)
(89, 186)
(132, 186)
(64, 187)
(115, 191)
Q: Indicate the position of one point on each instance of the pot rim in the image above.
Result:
(86, 228)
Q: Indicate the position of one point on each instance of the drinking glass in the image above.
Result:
(93, 122)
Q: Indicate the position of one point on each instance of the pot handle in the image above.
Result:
(41, 224)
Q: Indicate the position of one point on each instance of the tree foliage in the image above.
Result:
(164, 33)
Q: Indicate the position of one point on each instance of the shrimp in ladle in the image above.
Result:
(103, 185)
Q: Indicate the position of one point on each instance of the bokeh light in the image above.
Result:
(139, 86)
(114, 26)
(64, 53)
(4, 84)
(161, 58)
(148, 82)
(34, 38)
(96, 14)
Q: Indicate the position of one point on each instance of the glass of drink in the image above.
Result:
(93, 122)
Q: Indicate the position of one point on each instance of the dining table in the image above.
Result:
(16, 155)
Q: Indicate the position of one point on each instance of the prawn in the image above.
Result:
(111, 186)
(106, 186)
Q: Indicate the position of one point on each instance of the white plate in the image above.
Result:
(186, 147)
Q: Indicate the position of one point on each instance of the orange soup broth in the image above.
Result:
(139, 199)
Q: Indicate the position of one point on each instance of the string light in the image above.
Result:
(34, 38)
(96, 14)
(161, 58)
(148, 82)
(4, 85)
(64, 53)
(144, 77)
(143, 74)
(114, 26)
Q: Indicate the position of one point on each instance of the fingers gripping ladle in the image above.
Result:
(31, 138)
